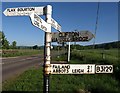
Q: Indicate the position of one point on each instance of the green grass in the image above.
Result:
(32, 80)
(0, 35)
(97, 56)
(59, 58)
(21, 52)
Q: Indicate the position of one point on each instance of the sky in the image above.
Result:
(60, 0)
(71, 16)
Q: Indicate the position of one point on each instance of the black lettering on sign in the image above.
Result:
(26, 9)
(110, 68)
(97, 69)
(78, 39)
(61, 69)
(11, 9)
(89, 69)
(44, 28)
(77, 71)
(58, 27)
(76, 34)
(37, 18)
(85, 38)
(104, 69)
(53, 23)
(36, 23)
(72, 33)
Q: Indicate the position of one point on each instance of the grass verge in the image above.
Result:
(20, 52)
(32, 80)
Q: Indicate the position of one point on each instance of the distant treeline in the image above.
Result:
(29, 47)
(115, 44)
(5, 44)
(110, 45)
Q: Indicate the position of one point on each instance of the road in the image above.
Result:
(16, 65)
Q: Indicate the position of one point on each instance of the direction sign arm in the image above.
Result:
(23, 11)
(55, 25)
(39, 22)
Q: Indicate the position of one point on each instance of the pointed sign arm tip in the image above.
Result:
(4, 12)
(32, 17)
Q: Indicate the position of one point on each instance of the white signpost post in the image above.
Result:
(47, 47)
(37, 21)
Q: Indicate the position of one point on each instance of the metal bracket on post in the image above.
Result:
(48, 12)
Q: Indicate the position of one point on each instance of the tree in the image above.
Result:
(0, 39)
(14, 43)
(35, 47)
(5, 42)
(108, 46)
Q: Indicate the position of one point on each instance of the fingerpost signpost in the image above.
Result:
(37, 21)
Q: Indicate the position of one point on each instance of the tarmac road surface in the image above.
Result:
(16, 65)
